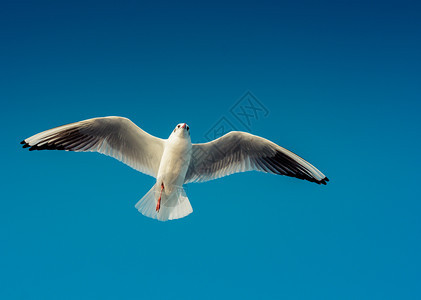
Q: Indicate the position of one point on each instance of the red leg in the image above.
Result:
(158, 205)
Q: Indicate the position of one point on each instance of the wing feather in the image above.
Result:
(239, 152)
(113, 136)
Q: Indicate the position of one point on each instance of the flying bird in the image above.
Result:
(174, 161)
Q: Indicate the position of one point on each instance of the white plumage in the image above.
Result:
(175, 161)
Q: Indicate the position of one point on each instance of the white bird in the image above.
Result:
(175, 161)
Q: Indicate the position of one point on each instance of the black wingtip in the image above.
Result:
(25, 144)
(324, 181)
(45, 146)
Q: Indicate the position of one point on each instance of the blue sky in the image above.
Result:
(341, 83)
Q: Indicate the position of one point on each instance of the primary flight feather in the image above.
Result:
(174, 161)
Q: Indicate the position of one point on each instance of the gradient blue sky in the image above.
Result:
(342, 83)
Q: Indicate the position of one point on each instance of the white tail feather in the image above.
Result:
(173, 206)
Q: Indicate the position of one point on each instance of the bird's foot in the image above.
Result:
(158, 204)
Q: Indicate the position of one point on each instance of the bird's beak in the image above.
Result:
(184, 125)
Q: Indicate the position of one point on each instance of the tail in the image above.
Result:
(173, 206)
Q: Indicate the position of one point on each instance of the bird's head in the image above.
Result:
(181, 130)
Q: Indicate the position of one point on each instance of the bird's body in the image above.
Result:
(175, 161)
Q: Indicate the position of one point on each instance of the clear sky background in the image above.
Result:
(341, 82)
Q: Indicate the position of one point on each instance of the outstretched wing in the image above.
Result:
(239, 152)
(113, 136)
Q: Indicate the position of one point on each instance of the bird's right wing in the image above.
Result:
(239, 152)
(113, 136)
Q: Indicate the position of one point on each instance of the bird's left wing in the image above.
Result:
(239, 152)
(113, 136)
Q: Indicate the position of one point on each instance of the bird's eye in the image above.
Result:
(178, 126)
(188, 128)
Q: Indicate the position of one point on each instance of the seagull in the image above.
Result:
(174, 161)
